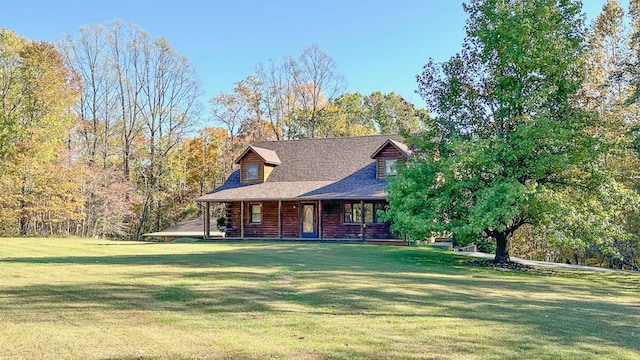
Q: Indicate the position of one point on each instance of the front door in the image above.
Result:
(309, 228)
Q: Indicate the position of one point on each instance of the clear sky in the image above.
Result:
(377, 44)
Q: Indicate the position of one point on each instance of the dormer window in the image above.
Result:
(252, 171)
(390, 167)
(256, 164)
(387, 157)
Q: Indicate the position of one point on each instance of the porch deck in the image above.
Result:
(396, 242)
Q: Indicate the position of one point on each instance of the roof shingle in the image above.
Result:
(331, 168)
(268, 156)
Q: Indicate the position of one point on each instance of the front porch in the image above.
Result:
(393, 242)
(302, 220)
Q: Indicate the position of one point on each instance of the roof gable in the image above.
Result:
(402, 148)
(268, 156)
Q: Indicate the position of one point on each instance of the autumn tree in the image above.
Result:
(168, 107)
(510, 146)
(392, 114)
(604, 92)
(139, 100)
(348, 115)
(205, 159)
(38, 183)
(10, 97)
(303, 97)
(353, 114)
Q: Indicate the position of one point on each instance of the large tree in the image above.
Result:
(509, 145)
(392, 114)
(605, 91)
(38, 182)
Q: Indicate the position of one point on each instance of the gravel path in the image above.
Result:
(544, 264)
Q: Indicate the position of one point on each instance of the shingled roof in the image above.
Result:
(268, 156)
(404, 149)
(331, 168)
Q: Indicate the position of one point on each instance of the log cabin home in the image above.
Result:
(320, 189)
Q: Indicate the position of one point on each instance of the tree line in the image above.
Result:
(533, 149)
(104, 134)
(529, 144)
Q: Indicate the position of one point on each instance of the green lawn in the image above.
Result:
(98, 299)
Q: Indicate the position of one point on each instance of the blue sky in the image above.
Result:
(377, 44)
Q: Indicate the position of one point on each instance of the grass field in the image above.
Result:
(98, 299)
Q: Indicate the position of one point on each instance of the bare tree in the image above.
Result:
(168, 106)
(138, 101)
(275, 87)
(126, 59)
(89, 58)
(315, 82)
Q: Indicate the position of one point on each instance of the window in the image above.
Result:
(353, 212)
(252, 171)
(378, 206)
(256, 213)
(348, 213)
(390, 166)
(368, 213)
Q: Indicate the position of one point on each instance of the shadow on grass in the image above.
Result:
(261, 255)
(403, 285)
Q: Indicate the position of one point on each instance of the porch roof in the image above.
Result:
(300, 190)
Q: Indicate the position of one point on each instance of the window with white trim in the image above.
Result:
(390, 166)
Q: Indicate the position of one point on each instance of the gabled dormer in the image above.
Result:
(256, 164)
(388, 155)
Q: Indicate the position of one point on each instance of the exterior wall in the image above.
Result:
(389, 152)
(333, 226)
(291, 219)
(267, 228)
(233, 220)
(269, 225)
(251, 158)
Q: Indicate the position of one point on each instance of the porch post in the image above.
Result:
(320, 219)
(280, 219)
(207, 221)
(242, 219)
(362, 219)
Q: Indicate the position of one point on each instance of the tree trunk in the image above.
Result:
(502, 255)
(24, 218)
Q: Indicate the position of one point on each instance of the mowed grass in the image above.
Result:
(98, 299)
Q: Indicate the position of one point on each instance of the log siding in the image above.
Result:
(330, 223)
(389, 152)
(251, 158)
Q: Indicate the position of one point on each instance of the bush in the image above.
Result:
(486, 245)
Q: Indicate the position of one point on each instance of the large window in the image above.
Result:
(252, 171)
(390, 166)
(256, 213)
(353, 212)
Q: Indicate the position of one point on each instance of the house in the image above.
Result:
(318, 189)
